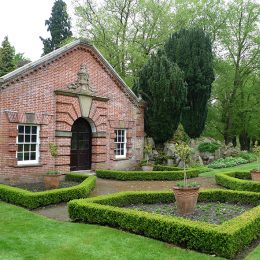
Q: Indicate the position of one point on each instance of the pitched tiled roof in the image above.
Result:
(51, 56)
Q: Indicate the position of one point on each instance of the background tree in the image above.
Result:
(240, 40)
(59, 27)
(191, 50)
(125, 31)
(161, 85)
(7, 53)
(20, 60)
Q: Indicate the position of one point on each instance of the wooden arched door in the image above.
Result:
(80, 149)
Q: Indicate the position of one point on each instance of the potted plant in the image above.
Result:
(186, 194)
(146, 165)
(255, 174)
(52, 178)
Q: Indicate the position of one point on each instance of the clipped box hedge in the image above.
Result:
(223, 240)
(146, 175)
(237, 180)
(166, 168)
(200, 169)
(34, 200)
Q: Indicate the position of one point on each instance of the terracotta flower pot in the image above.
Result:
(52, 181)
(255, 174)
(147, 168)
(186, 199)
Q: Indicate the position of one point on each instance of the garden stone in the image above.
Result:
(150, 141)
(170, 162)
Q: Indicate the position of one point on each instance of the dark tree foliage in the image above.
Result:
(20, 60)
(192, 51)
(59, 27)
(7, 53)
(162, 87)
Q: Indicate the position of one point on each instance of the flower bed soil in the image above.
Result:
(39, 186)
(214, 213)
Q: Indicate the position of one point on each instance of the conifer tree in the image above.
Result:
(7, 53)
(162, 87)
(191, 50)
(59, 27)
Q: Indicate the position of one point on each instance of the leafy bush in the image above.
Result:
(227, 162)
(250, 157)
(161, 158)
(34, 200)
(237, 180)
(145, 175)
(208, 147)
(224, 240)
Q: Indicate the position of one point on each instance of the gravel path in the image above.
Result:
(103, 186)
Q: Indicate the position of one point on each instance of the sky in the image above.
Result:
(23, 21)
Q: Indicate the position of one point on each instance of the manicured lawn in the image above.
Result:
(254, 255)
(25, 235)
(242, 167)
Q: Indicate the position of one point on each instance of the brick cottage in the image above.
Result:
(71, 98)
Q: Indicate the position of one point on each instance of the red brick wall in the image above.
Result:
(34, 92)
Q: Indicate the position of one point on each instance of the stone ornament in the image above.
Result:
(82, 82)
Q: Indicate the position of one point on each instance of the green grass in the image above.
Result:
(254, 255)
(242, 167)
(25, 235)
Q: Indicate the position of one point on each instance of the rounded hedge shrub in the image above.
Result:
(208, 147)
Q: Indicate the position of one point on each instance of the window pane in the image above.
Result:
(20, 138)
(20, 129)
(27, 143)
(26, 157)
(27, 129)
(33, 147)
(33, 156)
(19, 156)
(34, 129)
(27, 139)
(34, 138)
(26, 147)
(20, 147)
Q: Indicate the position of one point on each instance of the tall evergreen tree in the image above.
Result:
(192, 51)
(59, 27)
(161, 85)
(7, 53)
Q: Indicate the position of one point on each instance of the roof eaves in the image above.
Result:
(40, 61)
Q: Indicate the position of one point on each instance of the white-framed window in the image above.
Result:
(28, 142)
(120, 143)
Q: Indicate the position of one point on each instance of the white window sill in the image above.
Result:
(120, 158)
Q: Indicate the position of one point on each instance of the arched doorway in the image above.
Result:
(80, 149)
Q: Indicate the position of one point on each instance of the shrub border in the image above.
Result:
(32, 200)
(223, 240)
(230, 181)
(146, 175)
(200, 169)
